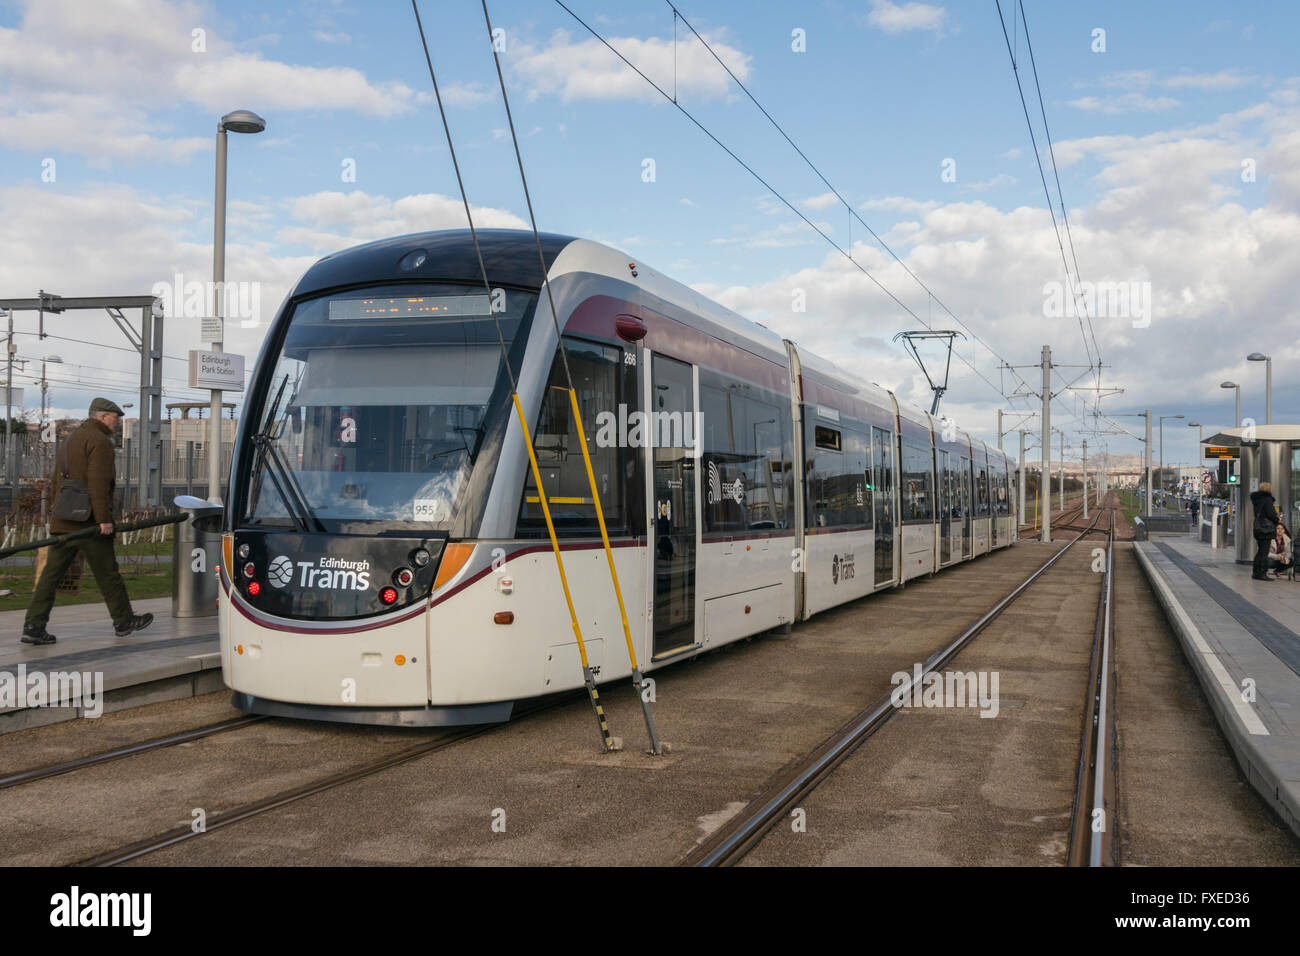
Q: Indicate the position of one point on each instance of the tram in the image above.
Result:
(385, 556)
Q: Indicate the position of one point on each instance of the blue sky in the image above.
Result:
(1151, 135)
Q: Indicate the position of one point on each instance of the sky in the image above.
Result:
(1175, 130)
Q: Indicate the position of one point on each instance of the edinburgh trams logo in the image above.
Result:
(720, 490)
(334, 574)
(841, 567)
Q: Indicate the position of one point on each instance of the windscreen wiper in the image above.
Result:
(281, 474)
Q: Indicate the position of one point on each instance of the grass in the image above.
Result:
(1130, 504)
(148, 581)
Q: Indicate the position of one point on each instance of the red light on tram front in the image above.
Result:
(254, 588)
(388, 595)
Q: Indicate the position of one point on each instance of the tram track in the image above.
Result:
(127, 750)
(255, 808)
(735, 839)
(1092, 816)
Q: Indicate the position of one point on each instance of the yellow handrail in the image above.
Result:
(564, 580)
(613, 572)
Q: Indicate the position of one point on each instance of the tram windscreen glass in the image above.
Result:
(381, 415)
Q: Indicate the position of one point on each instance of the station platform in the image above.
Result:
(1240, 636)
(171, 659)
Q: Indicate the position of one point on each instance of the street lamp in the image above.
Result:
(239, 121)
(1162, 449)
(1236, 422)
(1268, 383)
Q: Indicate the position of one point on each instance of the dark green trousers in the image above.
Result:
(102, 562)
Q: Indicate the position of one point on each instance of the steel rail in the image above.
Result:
(255, 808)
(1103, 784)
(129, 750)
(1091, 764)
(735, 839)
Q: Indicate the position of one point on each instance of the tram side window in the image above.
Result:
(1004, 502)
(982, 492)
(917, 498)
(745, 471)
(602, 384)
(838, 481)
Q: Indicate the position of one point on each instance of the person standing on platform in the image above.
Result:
(83, 498)
(1266, 520)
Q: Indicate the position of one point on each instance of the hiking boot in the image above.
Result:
(137, 622)
(37, 635)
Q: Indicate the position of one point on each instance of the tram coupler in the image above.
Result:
(608, 742)
(639, 682)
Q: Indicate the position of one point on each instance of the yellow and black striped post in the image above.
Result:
(608, 742)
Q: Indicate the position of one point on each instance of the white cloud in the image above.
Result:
(824, 201)
(329, 221)
(466, 94)
(900, 17)
(334, 38)
(1125, 103)
(90, 83)
(1170, 212)
(586, 69)
(1001, 179)
(1223, 80)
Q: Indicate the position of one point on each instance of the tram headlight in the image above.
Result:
(421, 557)
(403, 577)
(243, 552)
(250, 569)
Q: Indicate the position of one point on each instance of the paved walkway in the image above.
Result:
(173, 657)
(1242, 640)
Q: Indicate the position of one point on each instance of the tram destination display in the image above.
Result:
(410, 307)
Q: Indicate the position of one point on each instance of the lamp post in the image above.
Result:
(1236, 421)
(1162, 449)
(45, 387)
(239, 121)
(1147, 442)
(1268, 383)
(1200, 466)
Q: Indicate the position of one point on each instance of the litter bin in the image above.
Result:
(195, 557)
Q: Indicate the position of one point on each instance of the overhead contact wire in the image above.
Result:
(637, 679)
(588, 678)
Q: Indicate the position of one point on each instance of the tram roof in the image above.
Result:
(509, 255)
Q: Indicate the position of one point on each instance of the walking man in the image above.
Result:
(83, 498)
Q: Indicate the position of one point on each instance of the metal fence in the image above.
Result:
(183, 467)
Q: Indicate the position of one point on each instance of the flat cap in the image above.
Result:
(104, 405)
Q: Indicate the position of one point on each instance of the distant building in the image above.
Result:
(183, 428)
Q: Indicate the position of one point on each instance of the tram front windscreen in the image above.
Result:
(373, 416)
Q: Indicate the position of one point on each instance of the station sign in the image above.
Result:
(1222, 451)
(223, 371)
(211, 328)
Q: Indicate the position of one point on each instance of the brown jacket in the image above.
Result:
(89, 452)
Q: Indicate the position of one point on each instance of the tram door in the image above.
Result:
(673, 518)
(944, 482)
(882, 500)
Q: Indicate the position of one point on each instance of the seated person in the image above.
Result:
(1279, 550)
